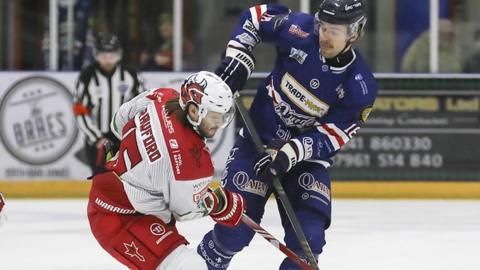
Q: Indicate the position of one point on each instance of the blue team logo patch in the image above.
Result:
(243, 182)
(298, 55)
(123, 88)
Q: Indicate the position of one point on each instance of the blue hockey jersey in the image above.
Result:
(313, 101)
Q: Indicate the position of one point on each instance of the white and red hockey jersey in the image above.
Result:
(165, 167)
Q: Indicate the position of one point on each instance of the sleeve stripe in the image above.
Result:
(271, 92)
(258, 11)
(339, 132)
(331, 138)
(256, 14)
(337, 137)
(255, 19)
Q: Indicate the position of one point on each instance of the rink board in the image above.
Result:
(357, 189)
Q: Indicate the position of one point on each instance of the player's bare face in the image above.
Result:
(210, 124)
(333, 38)
(107, 60)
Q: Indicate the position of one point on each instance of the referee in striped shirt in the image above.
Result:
(101, 88)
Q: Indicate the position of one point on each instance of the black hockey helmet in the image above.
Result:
(107, 42)
(350, 12)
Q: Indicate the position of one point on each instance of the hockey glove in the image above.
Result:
(285, 159)
(3, 216)
(223, 206)
(264, 159)
(104, 151)
(236, 67)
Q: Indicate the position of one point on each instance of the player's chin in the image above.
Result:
(211, 132)
(328, 53)
(208, 133)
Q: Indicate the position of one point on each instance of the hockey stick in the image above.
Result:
(270, 238)
(280, 192)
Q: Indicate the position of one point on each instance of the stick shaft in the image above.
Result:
(277, 185)
(270, 238)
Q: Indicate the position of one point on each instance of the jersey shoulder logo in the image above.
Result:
(298, 55)
(365, 113)
(297, 31)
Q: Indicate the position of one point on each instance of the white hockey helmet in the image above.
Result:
(209, 93)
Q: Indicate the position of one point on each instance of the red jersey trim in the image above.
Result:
(188, 153)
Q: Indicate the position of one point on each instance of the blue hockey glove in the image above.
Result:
(285, 159)
(264, 159)
(277, 168)
(236, 67)
(261, 162)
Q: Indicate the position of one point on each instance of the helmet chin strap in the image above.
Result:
(195, 124)
(343, 50)
(346, 48)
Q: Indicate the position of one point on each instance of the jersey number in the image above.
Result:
(129, 155)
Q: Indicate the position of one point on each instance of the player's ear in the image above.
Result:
(353, 38)
(192, 111)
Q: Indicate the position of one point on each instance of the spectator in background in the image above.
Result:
(472, 64)
(100, 90)
(160, 58)
(417, 57)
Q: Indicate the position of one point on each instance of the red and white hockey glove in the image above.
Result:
(225, 207)
(3, 217)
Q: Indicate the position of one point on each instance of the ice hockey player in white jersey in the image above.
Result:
(161, 174)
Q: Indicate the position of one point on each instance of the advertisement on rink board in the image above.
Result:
(410, 134)
(416, 135)
(38, 131)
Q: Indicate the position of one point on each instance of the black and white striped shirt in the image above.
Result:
(99, 95)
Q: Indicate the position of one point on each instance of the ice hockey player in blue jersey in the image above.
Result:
(318, 95)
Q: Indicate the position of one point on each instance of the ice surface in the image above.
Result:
(365, 234)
